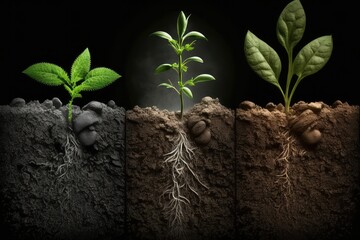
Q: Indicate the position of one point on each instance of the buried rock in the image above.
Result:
(82, 124)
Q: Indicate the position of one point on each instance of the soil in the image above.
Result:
(41, 198)
(261, 174)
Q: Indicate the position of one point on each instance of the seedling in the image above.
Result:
(290, 28)
(179, 46)
(81, 77)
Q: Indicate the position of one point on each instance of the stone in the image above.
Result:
(17, 102)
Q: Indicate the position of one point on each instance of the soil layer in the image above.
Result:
(288, 189)
(52, 189)
(252, 173)
(150, 134)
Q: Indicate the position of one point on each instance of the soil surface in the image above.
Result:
(249, 173)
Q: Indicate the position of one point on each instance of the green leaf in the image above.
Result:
(262, 59)
(291, 25)
(163, 68)
(194, 34)
(203, 78)
(193, 59)
(181, 24)
(189, 82)
(47, 73)
(81, 66)
(313, 56)
(187, 92)
(167, 85)
(163, 34)
(98, 78)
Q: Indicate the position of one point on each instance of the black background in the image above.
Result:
(117, 35)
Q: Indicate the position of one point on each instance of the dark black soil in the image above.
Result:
(81, 200)
(261, 174)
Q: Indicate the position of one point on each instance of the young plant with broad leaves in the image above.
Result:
(179, 45)
(81, 78)
(290, 28)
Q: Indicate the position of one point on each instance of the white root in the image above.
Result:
(284, 162)
(72, 152)
(182, 178)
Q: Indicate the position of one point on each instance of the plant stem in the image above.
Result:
(181, 85)
(288, 81)
(70, 106)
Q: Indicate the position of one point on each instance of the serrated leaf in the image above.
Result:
(194, 34)
(98, 78)
(163, 34)
(81, 66)
(203, 78)
(163, 68)
(47, 73)
(262, 59)
(193, 59)
(313, 56)
(291, 25)
(181, 24)
(187, 92)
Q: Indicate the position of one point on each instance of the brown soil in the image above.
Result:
(285, 187)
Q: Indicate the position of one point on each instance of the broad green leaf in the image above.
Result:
(291, 25)
(203, 78)
(262, 58)
(194, 34)
(313, 56)
(47, 73)
(81, 66)
(163, 68)
(98, 78)
(181, 24)
(193, 59)
(163, 34)
(187, 92)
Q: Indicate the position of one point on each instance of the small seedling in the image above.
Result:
(81, 77)
(290, 29)
(180, 67)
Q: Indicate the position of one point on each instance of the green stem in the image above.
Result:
(181, 85)
(288, 81)
(70, 106)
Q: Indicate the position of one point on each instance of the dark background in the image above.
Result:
(117, 35)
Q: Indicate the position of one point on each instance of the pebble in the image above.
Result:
(311, 137)
(17, 102)
(303, 121)
(94, 106)
(48, 103)
(336, 103)
(204, 137)
(111, 104)
(193, 120)
(198, 128)
(87, 137)
(270, 106)
(57, 103)
(207, 99)
(84, 120)
(247, 105)
(315, 106)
